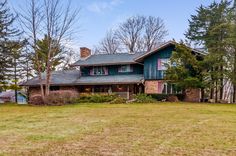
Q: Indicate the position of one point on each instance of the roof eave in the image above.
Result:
(102, 64)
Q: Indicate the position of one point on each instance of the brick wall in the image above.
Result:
(192, 95)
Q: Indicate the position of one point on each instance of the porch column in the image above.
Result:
(92, 90)
(110, 90)
(139, 89)
(128, 92)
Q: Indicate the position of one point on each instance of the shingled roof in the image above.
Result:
(108, 59)
(67, 77)
(112, 79)
(72, 77)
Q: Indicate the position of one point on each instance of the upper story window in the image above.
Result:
(99, 71)
(162, 63)
(125, 69)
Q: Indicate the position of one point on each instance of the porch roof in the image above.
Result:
(72, 77)
(116, 79)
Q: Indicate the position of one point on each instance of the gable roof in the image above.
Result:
(124, 58)
(163, 46)
(108, 59)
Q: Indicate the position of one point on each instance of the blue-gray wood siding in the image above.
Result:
(113, 70)
(150, 64)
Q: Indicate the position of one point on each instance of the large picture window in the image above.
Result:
(125, 69)
(99, 71)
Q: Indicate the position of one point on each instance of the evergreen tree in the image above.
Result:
(7, 32)
(185, 70)
(56, 57)
(210, 28)
(233, 51)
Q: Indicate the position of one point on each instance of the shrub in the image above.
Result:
(172, 98)
(161, 97)
(118, 100)
(144, 98)
(61, 97)
(36, 100)
(96, 98)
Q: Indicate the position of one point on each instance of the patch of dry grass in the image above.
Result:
(125, 129)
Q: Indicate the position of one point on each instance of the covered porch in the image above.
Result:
(124, 90)
(123, 85)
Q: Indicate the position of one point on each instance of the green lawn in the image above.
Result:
(126, 129)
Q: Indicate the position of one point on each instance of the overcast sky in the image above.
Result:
(98, 16)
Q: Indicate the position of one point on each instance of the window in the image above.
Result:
(162, 63)
(99, 71)
(54, 88)
(125, 69)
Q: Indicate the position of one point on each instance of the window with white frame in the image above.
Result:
(125, 69)
(162, 63)
(99, 71)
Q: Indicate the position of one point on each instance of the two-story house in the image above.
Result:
(124, 74)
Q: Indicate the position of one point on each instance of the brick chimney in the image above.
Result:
(84, 52)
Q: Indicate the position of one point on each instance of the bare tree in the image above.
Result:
(137, 33)
(154, 32)
(51, 18)
(109, 44)
(129, 32)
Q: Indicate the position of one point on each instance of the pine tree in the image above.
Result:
(42, 50)
(7, 32)
(185, 70)
(233, 55)
(210, 28)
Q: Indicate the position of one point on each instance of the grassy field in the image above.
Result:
(125, 129)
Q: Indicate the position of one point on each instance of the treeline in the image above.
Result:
(213, 29)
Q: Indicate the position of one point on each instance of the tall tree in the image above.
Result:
(129, 33)
(154, 32)
(210, 28)
(185, 69)
(42, 52)
(233, 50)
(56, 20)
(109, 44)
(137, 33)
(7, 33)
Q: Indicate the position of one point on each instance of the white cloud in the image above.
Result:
(102, 6)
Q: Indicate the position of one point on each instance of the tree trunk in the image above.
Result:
(234, 93)
(202, 95)
(221, 83)
(15, 77)
(216, 92)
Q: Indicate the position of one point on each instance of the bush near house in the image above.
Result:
(144, 98)
(55, 98)
(118, 100)
(96, 98)
(164, 97)
(61, 97)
